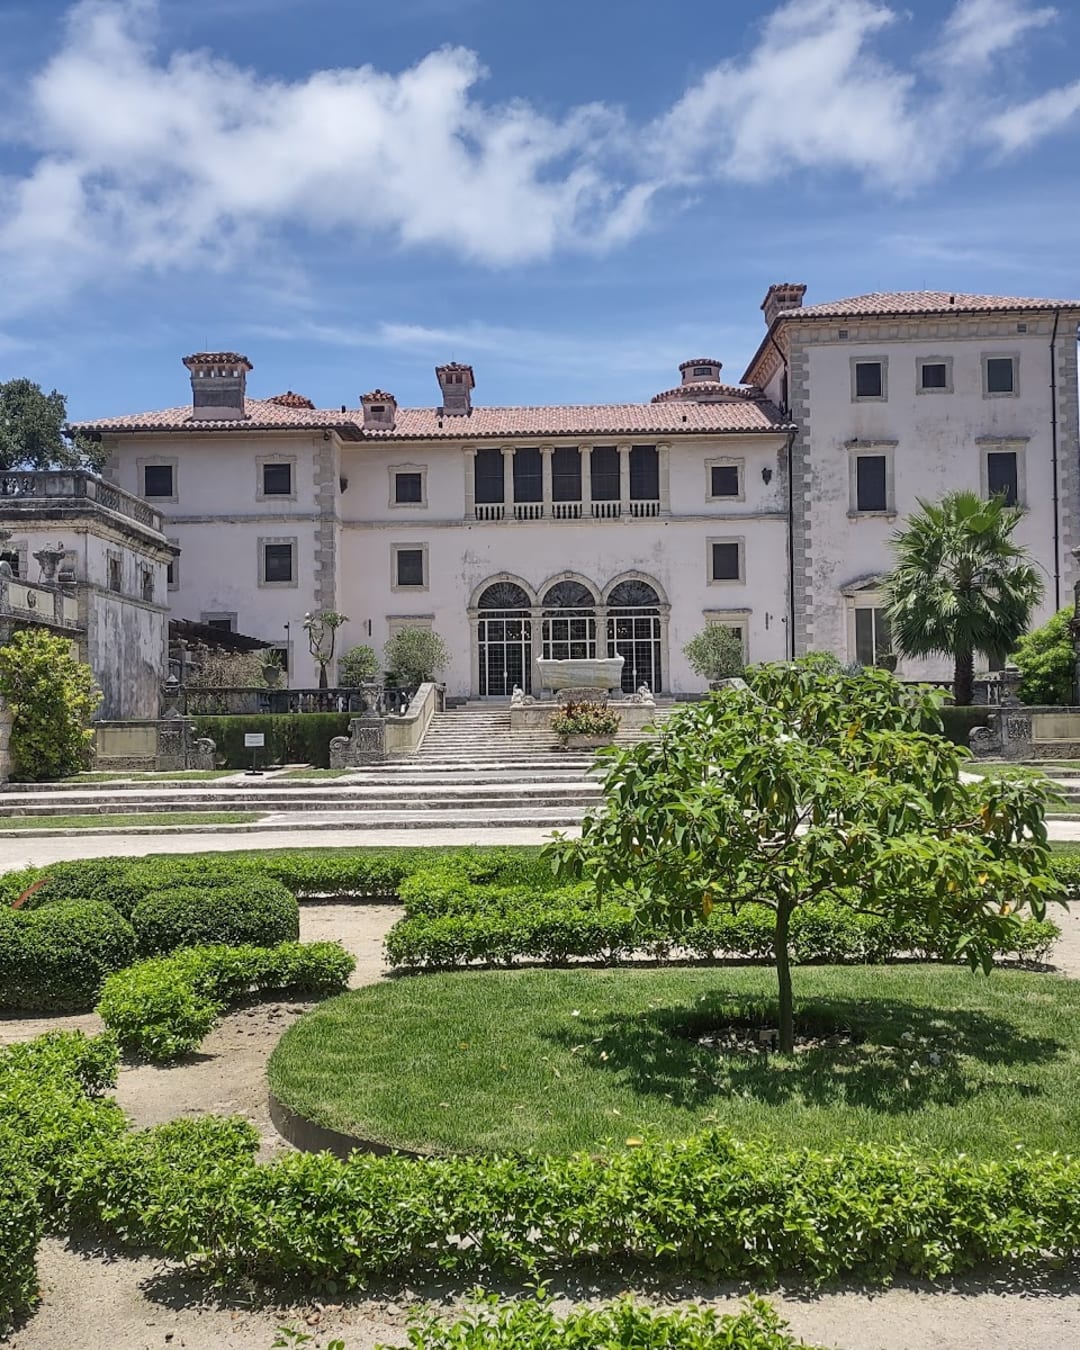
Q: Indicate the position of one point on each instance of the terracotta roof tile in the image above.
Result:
(694, 389)
(883, 303)
(747, 414)
(290, 400)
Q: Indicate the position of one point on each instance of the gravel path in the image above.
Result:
(128, 1303)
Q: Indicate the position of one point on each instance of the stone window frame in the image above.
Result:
(1014, 357)
(878, 449)
(174, 566)
(870, 360)
(294, 541)
(945, 361)
(995, 445)
(159, 462)
(392, 471)
(261, 495)
(114, 555)
(732, 618)
(210, 615)
(395, 549)
(21, 549)
(739, 539)
(726, 462)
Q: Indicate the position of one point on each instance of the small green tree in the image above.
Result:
(1046, 660)
(960, 585)
(52, 697)
(321, 629)
(810, 787)
(415, 655)
(356, 666)
(33, 434)
(715, 653)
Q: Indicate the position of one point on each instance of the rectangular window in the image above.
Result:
(281, 657)
(605, 473)
(934, 375)
(278, 562)
(725, 561)
(868, 380)
(870, 483)
(222, 625)
(116, 575)
(1000, 375)
(1001, 475)
(644, 473)
(170, 574)
(408, 488)
(277, 480)
(488, 477)
(566, 474)
(871, 636)
(528, 476)
(157, 480)
(724, 480)
(410, 566)
(12, 560)
(148, 585)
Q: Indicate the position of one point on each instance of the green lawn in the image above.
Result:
(560, 1060)
(128, 821)
(316, 773)
(996, 770)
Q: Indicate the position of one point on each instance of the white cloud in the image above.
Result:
(150, 160)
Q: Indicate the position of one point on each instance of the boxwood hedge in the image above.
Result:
(56, 959)
(258, 912)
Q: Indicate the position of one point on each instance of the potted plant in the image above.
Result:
(271, 668)
(585, 725)
(716, 654)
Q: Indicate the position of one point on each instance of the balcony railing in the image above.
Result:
(489, 511)
(244, 701)
(528, 510)
(606, 510)
(57, 485)
(566, 510)
(644, 508)
(597, 510)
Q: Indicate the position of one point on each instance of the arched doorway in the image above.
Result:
(504, 638)
(568, 623)
(634, 633)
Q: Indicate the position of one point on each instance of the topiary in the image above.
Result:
(261, 913)
(55, 959)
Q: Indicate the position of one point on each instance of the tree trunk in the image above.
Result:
(783, 977)
(964, 678)
(323, 681)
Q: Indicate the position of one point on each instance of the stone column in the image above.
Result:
(663, 451)
(508, 482)
(624, 480)
(585, 451)
(470, 484)
(546, 451)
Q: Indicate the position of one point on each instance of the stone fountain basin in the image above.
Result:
(597, 673)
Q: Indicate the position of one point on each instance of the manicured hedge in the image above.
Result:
(531, 1324)
(56, 959)
(21, 1223)
(259, 913)
(162, 1008)
(449, 922)
(291, 738)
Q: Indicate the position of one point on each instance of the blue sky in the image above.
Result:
(573, 196)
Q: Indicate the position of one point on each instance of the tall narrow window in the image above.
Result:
(528, 476)
(1001, 475)
(605, 473)
(488, 477)
(566, 474)
(644, 473)
(871, 636)
(871, 493)
(410, 567)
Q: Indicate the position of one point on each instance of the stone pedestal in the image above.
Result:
(365, 743)
(179, 748)
(1009, 735)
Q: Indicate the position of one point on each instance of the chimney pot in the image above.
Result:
(783, 295)
(380, 410)
(456, 384)
(218, 386)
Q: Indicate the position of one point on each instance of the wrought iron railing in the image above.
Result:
(192, 701)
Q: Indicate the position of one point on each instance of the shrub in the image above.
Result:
(21, 1223)
(416, 655)
(1047, 661)
(357, 665)
(957, 724)
(291, 738)
(261, 912)
(716, 653)
(531, 1324)
(162, 1008)
(585, 719)
(55, 959)
(52, 697)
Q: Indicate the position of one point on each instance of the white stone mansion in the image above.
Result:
(620, 529)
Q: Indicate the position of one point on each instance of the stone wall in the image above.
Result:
(5, 743)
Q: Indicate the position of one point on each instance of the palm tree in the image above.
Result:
(960, 584)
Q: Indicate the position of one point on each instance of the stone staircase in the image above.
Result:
(471, 770)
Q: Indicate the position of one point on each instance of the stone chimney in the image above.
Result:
(700, 369)
(456, 384)
(380, 410)
(784, 295)
(218, 385)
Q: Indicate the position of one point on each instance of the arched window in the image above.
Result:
(569, 622)
(504, 639)
(634, 633)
